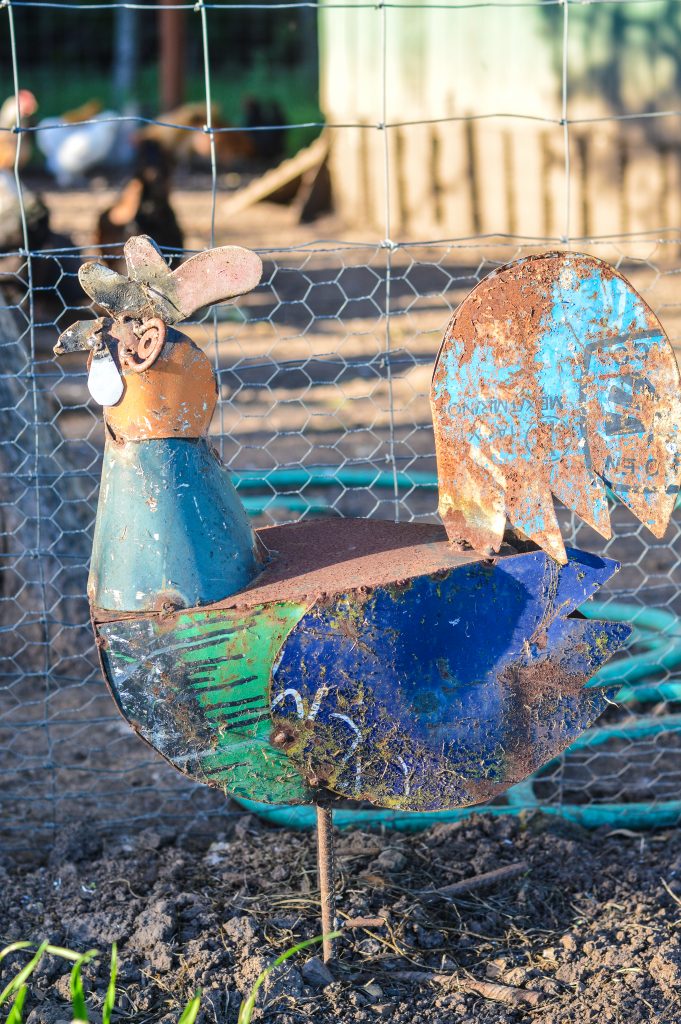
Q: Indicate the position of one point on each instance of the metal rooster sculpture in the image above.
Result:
(362, 659)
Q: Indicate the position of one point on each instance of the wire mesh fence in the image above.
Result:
(323, 374)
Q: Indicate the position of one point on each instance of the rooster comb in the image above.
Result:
(152, 289)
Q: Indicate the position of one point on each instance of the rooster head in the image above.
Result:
(141, 369)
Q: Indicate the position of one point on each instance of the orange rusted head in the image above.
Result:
(152, 380)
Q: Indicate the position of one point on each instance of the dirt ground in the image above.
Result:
(591, 927)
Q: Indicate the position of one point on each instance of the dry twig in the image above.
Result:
(488, 989)
(483, 881)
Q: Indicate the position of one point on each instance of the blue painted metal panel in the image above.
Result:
(170, 528)
(446, 690)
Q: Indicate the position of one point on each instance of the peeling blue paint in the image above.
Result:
(170, 528)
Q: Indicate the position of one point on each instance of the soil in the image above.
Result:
(592, 926)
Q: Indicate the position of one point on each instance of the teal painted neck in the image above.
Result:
(170, 530)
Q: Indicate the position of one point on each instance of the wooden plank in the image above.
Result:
(601, 173)
(455, 177)
(307, 159)
(643, 183)
(496, 178)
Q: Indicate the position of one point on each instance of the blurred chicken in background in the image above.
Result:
(143, 206)
(8, 139)
(54, 256)
(82, 140)
(269, 120)
(183, 138)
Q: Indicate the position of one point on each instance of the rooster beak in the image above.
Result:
(82, 336)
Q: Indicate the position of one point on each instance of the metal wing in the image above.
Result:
(554, 378)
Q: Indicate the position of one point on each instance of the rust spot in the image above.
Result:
(282, 737)
(175, 397)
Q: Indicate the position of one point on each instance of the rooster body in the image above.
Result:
(346, 658)
(399, 673)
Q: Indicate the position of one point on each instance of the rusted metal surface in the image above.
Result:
(376, 691)
(445, 690)
(175, 397)
(554, 378)
(316, 558)
(178, 399)
(170, 529)
(195, 685)
(151, 289)
(326, 878)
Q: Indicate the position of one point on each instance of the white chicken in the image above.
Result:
(74, 147)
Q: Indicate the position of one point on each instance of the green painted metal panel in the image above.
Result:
(196, 686)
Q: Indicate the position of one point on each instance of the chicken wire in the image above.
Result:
(323, 373)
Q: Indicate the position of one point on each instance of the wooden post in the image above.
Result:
(126, 55)
(172, 55)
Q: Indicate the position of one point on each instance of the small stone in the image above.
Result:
(243, 931)
(665, 969)
(217, 853)
(62, 986)
(149, 839)
(391, 860)
(550, 954)
(568, 974)
(382, 1009)
(373, 990)
(283, 981)
(155, 926)
(496, 968)
(568, 942)
(517, 976)
(316, 973)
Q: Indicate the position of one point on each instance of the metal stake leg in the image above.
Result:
(325, 872)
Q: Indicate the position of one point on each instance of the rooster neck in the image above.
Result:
(170, 529)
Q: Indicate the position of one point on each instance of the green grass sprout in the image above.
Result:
(15, 1013)
(110, 997)
(18, 988)
(45, 947)
(13, 948)
(191, 1009)
(77, 994)
(248, 1004)
(24, 973)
